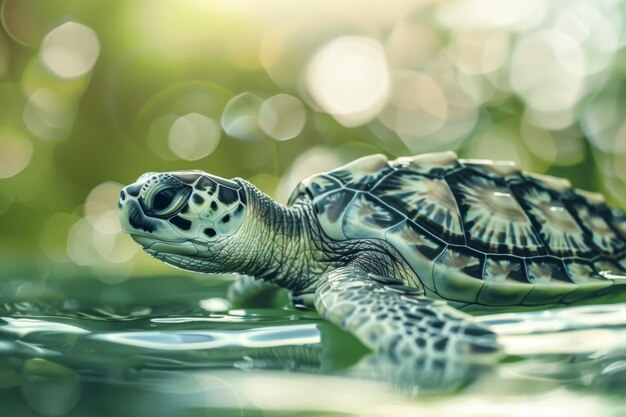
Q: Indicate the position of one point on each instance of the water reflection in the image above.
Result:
(65, 358)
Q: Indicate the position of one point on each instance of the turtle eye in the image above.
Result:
(169, 201)
(163, 199)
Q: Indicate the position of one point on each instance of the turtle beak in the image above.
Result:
(132, 218)
(144, 241)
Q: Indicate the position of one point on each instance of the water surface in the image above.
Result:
(174, 346)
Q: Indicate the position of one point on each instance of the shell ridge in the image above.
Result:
(383, 177)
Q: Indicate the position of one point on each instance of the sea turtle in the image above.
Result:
(377, 244)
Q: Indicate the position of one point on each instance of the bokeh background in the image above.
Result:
(94, 93)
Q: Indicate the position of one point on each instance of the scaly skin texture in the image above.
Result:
(288, 248)
(202, 223)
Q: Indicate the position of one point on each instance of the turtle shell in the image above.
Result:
(476, 232)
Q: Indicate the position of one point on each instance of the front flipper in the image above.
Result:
(248, 291)
(393, 320)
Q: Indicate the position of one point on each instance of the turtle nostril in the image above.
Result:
(120, 202)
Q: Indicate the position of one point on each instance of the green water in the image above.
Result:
(174, 347)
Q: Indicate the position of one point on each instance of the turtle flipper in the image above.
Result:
(392, 319)
(248, 291)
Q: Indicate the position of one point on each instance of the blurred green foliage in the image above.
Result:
(92, 94)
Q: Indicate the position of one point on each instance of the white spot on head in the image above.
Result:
(230, 222)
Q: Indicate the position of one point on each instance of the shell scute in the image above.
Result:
(330, 209)
(418, 247)
(504, 269)
(546, 270)
(617, 219)
(314, 186)
(458, 274)
(505, 281)
(552, 283)
(553, 293)
(592, 216)
(426, 200)
(606, 267)
(367, 216)
(588, 281)
(508, 293)
(363, 172)
(551, 218)
(493, 219)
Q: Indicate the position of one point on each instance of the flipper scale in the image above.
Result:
(379, 314)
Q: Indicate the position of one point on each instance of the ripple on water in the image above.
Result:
(265, 337)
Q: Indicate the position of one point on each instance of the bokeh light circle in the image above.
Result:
(193, 136)
(558, 82)
(240, 119)
(282, 117)
(15, 154)
(312, 161)
(349, 78)
(153, 125)
(70, 50)
(100, 200)
(49, 115)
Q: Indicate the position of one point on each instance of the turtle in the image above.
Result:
(397, 252)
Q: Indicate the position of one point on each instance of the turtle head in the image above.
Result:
(183, 218)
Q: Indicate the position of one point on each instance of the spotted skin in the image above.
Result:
(393, 320)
